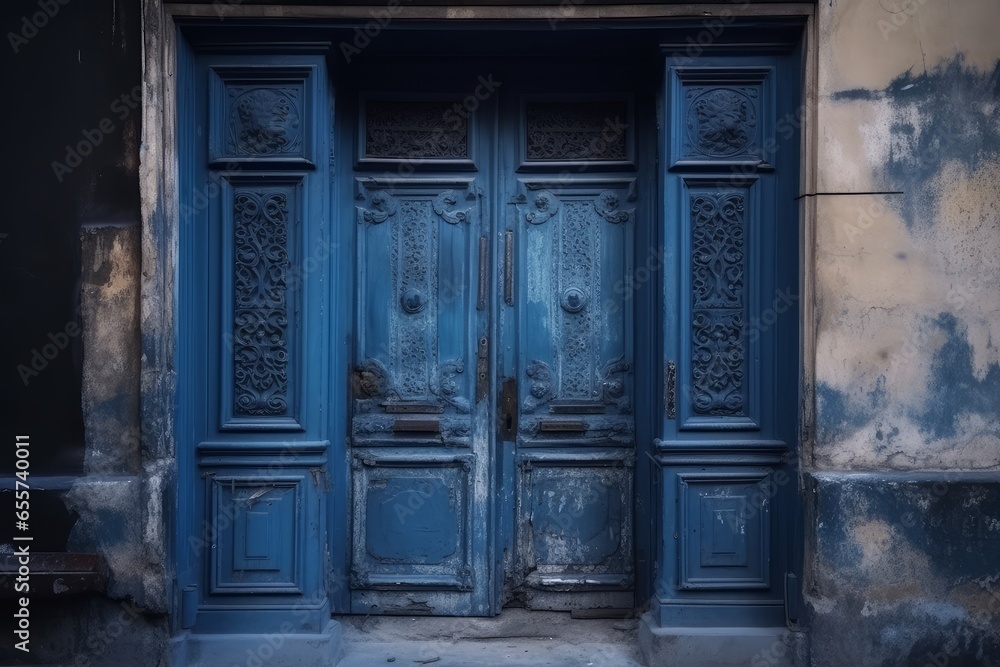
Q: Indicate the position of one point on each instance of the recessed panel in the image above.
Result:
(576, 526)
(411, 522)
(256, 535)
(724, 530)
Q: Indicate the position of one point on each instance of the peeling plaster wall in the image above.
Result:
(907, 308)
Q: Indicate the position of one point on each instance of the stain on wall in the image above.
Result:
(907, 304)
(900, 566)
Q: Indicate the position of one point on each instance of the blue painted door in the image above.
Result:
(420, 430)
(571, 206)
(492, 428)
(726, 437)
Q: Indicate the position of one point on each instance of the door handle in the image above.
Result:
(508, 410)
(484, 270)
(508, 267)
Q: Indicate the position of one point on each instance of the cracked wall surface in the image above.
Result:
(904, 513)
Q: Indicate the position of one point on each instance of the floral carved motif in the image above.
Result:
(540, 389)
(261, 318)
(265, 121)
(446, 205)
(722, 122)
(381, 206)
(538, 207)
(415, 130)
(608, 206)
(577, 130)
(718, 354)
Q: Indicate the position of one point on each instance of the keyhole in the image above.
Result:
(509, 421)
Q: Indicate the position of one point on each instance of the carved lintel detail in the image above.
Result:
(539, 206)
(381, 205)
(541, 390)
(608, 206)
(446, 205)
(446, 386)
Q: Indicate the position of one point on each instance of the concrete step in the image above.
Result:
(516, 637)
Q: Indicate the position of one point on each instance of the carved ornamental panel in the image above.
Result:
(560, 131)
(720, 116)
(718, 354)
(261, 115)
(415, 130)
(260, 333)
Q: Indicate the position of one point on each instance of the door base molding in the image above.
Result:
(721, 647)
(277, 649)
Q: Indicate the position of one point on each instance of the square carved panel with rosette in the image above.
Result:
(261, 116)
(719, 117)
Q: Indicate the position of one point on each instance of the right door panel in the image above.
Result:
(570, 220)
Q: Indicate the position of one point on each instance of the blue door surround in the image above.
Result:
(698, 365)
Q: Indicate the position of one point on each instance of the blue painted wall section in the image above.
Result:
(905, 565)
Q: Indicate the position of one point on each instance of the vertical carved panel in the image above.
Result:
(413, 259)
(579, 288)
(718, 263)
(260, 349)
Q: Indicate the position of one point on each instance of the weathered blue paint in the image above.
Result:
(727, 430)
(254, 357)
(914, 554)
(835, 414)
(956, 117)
(955, 389)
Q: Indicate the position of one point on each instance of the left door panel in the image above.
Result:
(419, 437)
(255, 208)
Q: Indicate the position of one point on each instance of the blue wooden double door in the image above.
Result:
(492, 418)
(461, 334)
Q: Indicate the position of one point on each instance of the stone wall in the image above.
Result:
(907, 336)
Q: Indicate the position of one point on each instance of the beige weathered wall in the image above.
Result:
(908, 305)
(902, 529)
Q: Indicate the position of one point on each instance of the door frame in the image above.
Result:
(170, 32)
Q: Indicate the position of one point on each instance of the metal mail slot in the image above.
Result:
(416, 426)
(563, 425)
